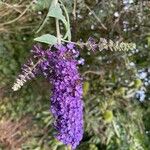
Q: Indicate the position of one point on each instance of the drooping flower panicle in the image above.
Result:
(60, 67)
(66, 104)
(29, 71)
(104, 44)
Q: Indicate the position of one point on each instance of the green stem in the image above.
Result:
(44, 22)
(58, 31)
(57, 26)
(79, 44)
(42, 25)
(68, 22)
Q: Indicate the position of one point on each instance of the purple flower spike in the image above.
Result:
(60, 68)
(66, 103)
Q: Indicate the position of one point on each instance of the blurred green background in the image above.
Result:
(116, 83)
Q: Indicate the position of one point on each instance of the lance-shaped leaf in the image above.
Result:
(47, 38)
(56, 12)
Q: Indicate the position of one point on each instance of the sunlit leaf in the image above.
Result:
(56, 12)
(41, 4)
(47, 38)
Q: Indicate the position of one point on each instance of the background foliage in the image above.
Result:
(116, 83)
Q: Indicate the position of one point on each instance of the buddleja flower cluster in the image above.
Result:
(105, 44)
(28, 72)
(60, 67)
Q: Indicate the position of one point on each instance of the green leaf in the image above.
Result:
(67, 25)
(56, 12)
(41, 5)
(47, 38)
